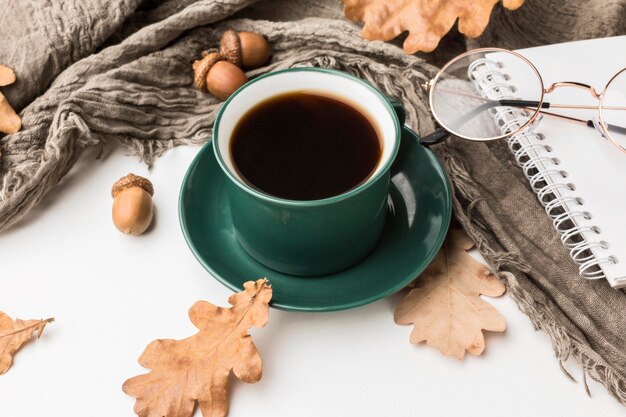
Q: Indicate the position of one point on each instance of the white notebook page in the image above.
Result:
(593, 165)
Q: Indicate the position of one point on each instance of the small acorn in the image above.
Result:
(220, 72)
(202, 66)
(247, 49)
(224, 79)
(132, 204)
(230, 47)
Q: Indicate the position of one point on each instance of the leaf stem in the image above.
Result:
(32, 326)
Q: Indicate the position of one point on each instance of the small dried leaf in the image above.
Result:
(14, 334)
(7, 76)
(10, 122)
(445, 305)
(196, 369)
(426, 20)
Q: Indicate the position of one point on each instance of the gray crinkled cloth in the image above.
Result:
(95, 70)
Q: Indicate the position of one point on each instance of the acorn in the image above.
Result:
(132, 204)
(224, 79)
(247, 49)
(202, 66)
(220, 72)
(230, 47)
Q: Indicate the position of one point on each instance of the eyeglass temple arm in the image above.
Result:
(434, 138)
(494, 103)
(441, 134)
(531, 105)
(612, 128)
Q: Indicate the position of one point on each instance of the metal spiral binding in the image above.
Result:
(541, 170)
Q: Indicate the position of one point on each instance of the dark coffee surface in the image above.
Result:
(305, 146)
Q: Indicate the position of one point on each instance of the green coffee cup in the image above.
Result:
(319, 237)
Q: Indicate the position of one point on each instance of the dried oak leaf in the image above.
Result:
(14, 334)
(444, 304)
(7, 76)
(197, 368)
(10, 122)
(426, 20)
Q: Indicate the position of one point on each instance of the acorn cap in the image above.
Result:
(132, 180)
(230, 47)
(202, 66)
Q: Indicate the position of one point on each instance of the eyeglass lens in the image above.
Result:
(613, 110)
(478, 88)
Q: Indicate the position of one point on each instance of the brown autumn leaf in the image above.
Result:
(444, 304)
(10, 122)
(7, 76)
(196, 369)
(426, 20)
(14, 334)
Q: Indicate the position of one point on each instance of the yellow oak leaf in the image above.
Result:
(14, 334)
(444, 304)
(426, 20)
(196, 369)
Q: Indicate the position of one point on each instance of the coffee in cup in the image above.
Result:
(305, 146)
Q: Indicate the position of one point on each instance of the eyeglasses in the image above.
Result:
(475, 97)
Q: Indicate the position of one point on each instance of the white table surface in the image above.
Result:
(112, 294)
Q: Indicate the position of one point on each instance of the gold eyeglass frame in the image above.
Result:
(428, 87)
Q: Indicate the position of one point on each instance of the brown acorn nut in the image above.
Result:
(202, 66)
(132, 204)
(230, 47)
(255, 51)
(220, 73)
(247, 49)
(224, 79)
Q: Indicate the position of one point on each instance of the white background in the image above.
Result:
(112, 294)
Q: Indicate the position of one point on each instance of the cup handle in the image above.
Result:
(434, 138)
(398, 107)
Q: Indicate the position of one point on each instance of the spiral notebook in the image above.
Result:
(578, 176)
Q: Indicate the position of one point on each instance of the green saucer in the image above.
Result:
(417, 222)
